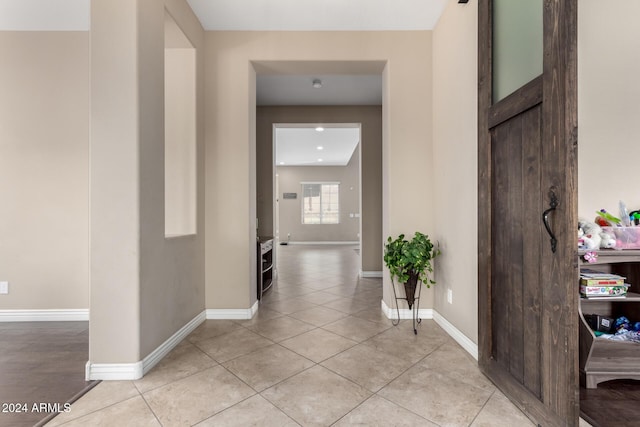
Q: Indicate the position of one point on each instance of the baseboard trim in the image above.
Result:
(159, 353)
(232, 313)
(71, 315)
(135, 371)
(372, 274)
(462, 339)
(405, 313)
(427, 313)
(324, 243)
(113, 371)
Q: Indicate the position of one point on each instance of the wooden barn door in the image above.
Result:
(527, 296)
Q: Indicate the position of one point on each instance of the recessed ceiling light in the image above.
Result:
(320, 147)
(319, 129)
(317, 83)
(319, 160)
(281, 163)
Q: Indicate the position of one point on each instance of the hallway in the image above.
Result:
(319, 352)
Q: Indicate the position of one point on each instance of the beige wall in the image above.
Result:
(608, 111)
(455, 168)
(44, 164)
(289, 180)
(230, 136)
(143, 287)
(180, 141)
(608, 66)
(172, 270)
(370, 118)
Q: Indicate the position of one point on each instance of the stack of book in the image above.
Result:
(595, 284)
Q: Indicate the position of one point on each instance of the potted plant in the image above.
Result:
(410, 261)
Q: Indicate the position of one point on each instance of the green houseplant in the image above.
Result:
(410, 261)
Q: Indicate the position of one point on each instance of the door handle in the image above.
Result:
(553, 204)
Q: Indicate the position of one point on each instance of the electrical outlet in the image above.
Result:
(449, 296)
(4, 287)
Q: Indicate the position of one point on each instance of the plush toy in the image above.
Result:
(589, 242)
(589, 235)
(607, 241)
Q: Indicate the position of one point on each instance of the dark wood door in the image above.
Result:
(527, 297)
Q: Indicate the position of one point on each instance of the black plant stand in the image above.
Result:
(414, 307)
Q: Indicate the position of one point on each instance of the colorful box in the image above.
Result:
(604, 291)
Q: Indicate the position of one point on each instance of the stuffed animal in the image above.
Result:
(590, 235)
(607, 241)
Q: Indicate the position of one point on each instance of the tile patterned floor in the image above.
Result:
(318, 353)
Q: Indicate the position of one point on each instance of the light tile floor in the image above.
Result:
(319, 352)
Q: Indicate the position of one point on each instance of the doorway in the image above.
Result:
(369, 118)
(317, 176)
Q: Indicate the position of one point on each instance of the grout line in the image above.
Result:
(483, 406)
(176, 380)
(353, 409)
(151, 409)
(71, 401)
(326, 358)
(135, 382)
(103, 407)
(408, 410)
(289, 377)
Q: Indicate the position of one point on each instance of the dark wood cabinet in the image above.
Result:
(265, 265)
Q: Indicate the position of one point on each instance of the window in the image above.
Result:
(320, 203)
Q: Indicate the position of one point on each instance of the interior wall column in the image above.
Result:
(114, 183)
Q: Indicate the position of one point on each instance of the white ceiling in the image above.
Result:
(318, 15)
(297, 145)
(280, 89)
(44, 15)
(249, 15)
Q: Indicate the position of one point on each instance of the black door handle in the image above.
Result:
(553, 204)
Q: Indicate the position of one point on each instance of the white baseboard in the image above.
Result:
(136, 370)
(375, 274)
(462, 339)
(427, 313)
(405, 313)
(113, 371)
(159, 353)
(325, 243)
(71, 315)
(232, 313)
